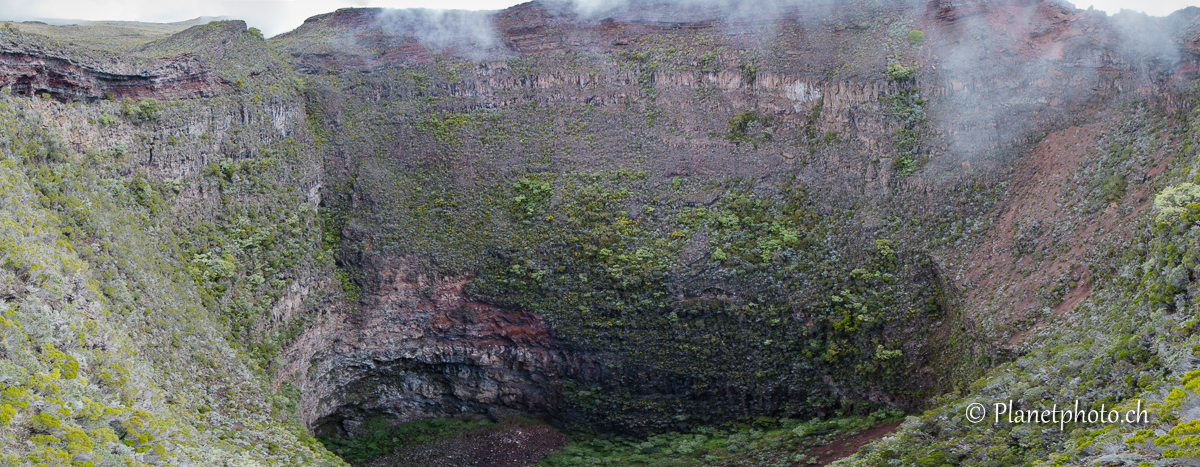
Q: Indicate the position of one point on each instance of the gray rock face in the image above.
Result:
(418, 349)
(993, 75)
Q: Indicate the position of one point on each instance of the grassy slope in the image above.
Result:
(110, 352)
(115, 36)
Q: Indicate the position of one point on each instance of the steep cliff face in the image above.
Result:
(33, 72)
(424, 350)
(154, 254)
(486, 156)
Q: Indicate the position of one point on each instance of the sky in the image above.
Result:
(279, 16)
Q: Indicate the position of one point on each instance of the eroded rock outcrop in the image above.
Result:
(418, 348)
(29, 66)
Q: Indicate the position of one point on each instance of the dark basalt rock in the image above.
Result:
(995, 74)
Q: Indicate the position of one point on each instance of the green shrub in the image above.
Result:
(708, 63)
(749, 126)
(52, 149)
(7, 412)
(1113, 188)
(909, 108)
(529, 197)
(1174, 202)
(749, 73)
(118, 150)
(904, 165)
(900, 72)
(385, 437)
(142, 111)
(916, 38)
(349, 286)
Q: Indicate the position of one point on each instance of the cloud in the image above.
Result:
(690, 10)
(271, 16)
(438, 29)
(1154, 8)
(1002, 88)
(278, 16)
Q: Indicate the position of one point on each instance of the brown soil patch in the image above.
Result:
(1007, 282)
(847, 445)
(999, 274)
(519, 444)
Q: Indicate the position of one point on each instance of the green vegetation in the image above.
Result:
(238, 55)
(650, 251)
(115, 311)
(749, 73)
(559, 209)
(1113, 188)
(1119, 348)
(764, 441)
(606, 286)
(144, 110)
(916, 38)
(385, 436)
(908, 108)
(750, 127)
(900, 72)
(239, 264)
(1177, 203)
(101, 35)
(708, 62)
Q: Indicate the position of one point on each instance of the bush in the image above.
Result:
(916, 38)
(749, 126)
(118, 150)
(900, 72)
(904, 165)
(1113, 188)
(749, 73)
(1174, 201)
(708, 63)
(52, 149)
(144, 110)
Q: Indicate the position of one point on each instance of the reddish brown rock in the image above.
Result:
(418, 349)
(28, 67)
